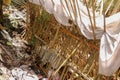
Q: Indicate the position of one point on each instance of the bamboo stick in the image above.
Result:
(109, 7)
(90, 21)
(63, 73)
(117, 6)
(77, 38)
(93, 11)
(64, 7)
(56, 36)
(104, 19)
(68, 9)
(72, 53)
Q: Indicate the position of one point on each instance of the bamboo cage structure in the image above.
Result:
(63, 49)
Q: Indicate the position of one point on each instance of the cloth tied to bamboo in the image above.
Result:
(65, 10)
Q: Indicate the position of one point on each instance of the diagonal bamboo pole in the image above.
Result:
(64, 62)
(109, 7)
(116, 7)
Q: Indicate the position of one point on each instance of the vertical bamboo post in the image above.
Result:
(104, 18)
(90, 20)
(93, 10)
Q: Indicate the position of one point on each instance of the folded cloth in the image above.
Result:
(109, 60)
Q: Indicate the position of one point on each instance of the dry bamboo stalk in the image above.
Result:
(64, 62)
(116, 7)
(64, 7)
(43, 70)
(71, 77)
(89, 61)
(93, 11)
(91, 67)
(77, 38)
(80, 16)
(55, 60)
(81, 74)
(97, 77)
(58, 55)
(63, 73)
(72, 3)
(68, 9)
(30, 28)
(40, 39)
(104, 19)
(109, 6)
(52, 2)
(76, 15)
(27, 21)
(66, 74)
(55, 37)
(101, 7)
(87, 51)
(90, 21)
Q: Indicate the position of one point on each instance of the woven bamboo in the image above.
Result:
(63, 49)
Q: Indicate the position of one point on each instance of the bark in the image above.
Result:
(1, 12)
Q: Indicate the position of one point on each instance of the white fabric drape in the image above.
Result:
(63, 10)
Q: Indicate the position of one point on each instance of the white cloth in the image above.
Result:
(60, 15)
(109, 58)
(38, 2)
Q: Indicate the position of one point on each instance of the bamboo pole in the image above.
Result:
(56, 35)
(68, 9)
(90, 20)
(64, 62)
(93, 11)
(109, 7)
(104, 18)
(63, 73)
(116, 7)
(77, 38)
